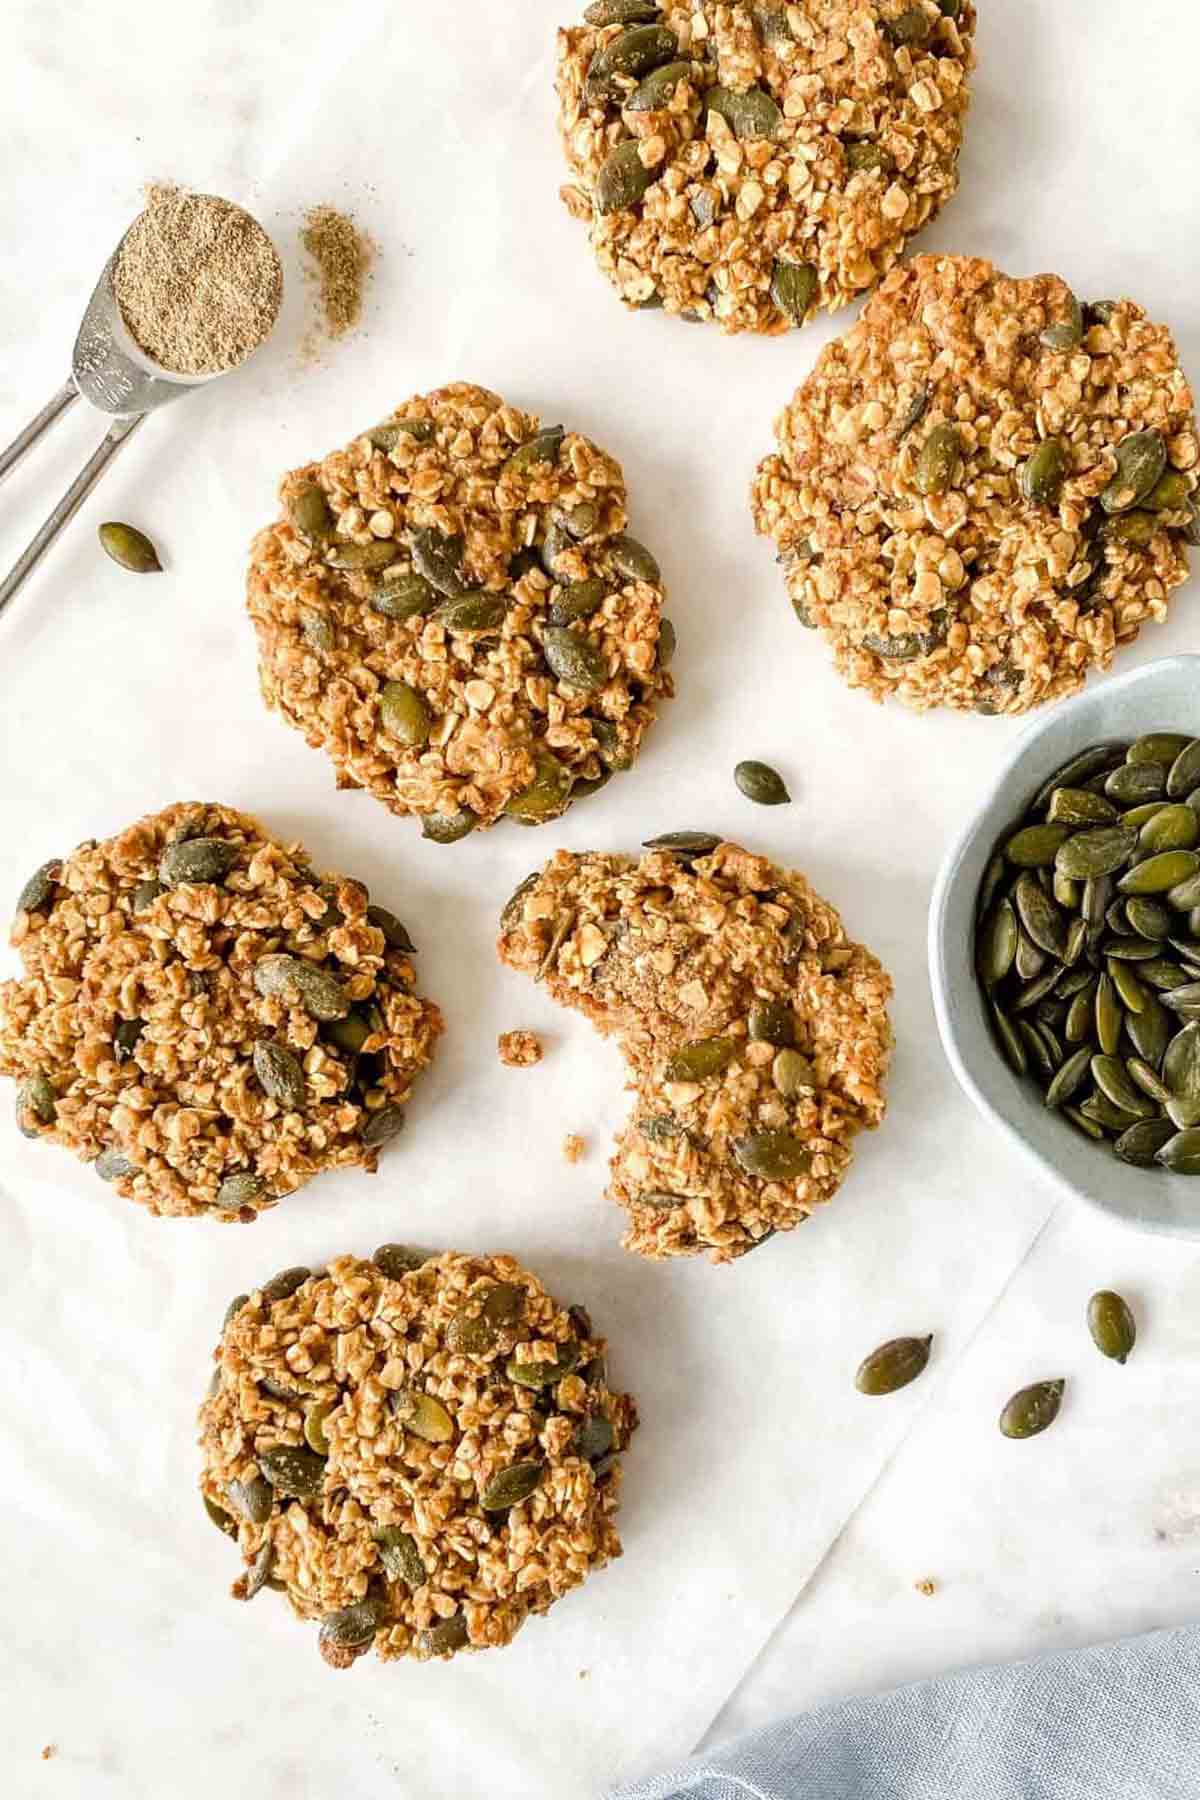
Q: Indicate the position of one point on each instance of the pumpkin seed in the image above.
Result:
(1045, 471)
(1185, 998)
(238, 1190)
(667, 643)
(656, 90)
(1095, 760)
(1111, 1324)
(510, 1486)
(997, 943)
(197, 860)
(893, 1365)
(761, 783)
(542, 447)
(448, 828)
(36, 1096)
(352, 1626)
(1099, 1107)
(1133, 528)
(1181, 1153)
(1042, 920)
(309, 512)
(1141, 1143)
(574, 660)
(394, 431)
(686, 844)
(1069, 1078)
(1185, 895)
(259, 1572)
(112, 1165)
(397, 1260)
(1167, 870)
(1082, 1123)
(1088, 854)
(633, 560)
(404, 714)
(772, 1156)
(1068, 332)
(620, 12)
(1170, 493)
(314, 1426)
(445, 1637)
(576, 600)
(1183, 777)
(623, 178)
(1038, 846)
(1150, 1030)
(794, 287)
(1129, 988)
(280, 1075)
(698, 1061)
(543, 1374)
(1010, 1041)
(547, 795)
(772, 1022)
(220, 1518)
(1145, 1077)
(129, 547)
(1149, 918)
(253, 1499)
(868, 159)
(749, 112)
(395, 933)
(1079, 806)
(940, 462)
(423, 1415)
(1108, 1072)
(235, 1306)
(911, 29)
(404, 598)
(792, 1074)
(1183, 1114)
(400, 1555)
(1141, 459)
(438, 557)
(595, 1438)
(1080, 1013)
(382, 1125)
(36, 894)
(1032, 1409)
(634, 53)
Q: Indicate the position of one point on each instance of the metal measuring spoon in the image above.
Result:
(117, 377)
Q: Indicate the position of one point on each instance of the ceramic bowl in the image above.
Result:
(1163, 695)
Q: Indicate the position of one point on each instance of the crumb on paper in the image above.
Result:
(519, 1049)
(573, 1146)
(926, 1587)
(49, 1751)
(584, 1673)
(341, 256)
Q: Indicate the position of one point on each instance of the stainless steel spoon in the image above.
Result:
(117, 377)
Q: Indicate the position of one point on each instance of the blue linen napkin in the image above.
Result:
(1117, 1722)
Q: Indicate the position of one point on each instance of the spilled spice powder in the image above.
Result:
(343, 256)
(197, 280)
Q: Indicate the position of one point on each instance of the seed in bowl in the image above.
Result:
(756, 1033)
(1087, 946)
(752, 163)
(419, 1452)
(206, 1020)
(984, 488)
(452, 609)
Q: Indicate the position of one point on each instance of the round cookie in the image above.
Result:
(206, 1020)
(752, 163)
(984, 487)
(756, 1033)
(452, 609)
(418, 1452)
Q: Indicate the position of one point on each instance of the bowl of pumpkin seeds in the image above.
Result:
(1064, 947)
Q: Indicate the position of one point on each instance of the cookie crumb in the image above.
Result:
(573, 1146)
(519, 1049)
(584, 1673)
(342, 256)
(926, 1587)
(49, 1751)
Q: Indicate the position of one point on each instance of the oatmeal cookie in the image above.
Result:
(984, 487)
(452, 609)
(418, 1452)
(751, 163)
(207, 1021)
(756, 1033)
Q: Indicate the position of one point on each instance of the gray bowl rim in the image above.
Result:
(972, 1072)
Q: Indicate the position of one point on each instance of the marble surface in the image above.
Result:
(775, 1523)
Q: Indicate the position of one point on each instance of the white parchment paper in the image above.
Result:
(434, 125)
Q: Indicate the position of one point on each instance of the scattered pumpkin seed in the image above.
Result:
(448, 828)
(893, 1365)
(761, 783)
(129, 547)
(687, 844)
(36, 894)
(1032, 1409)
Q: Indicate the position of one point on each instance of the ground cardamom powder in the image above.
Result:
(342, 255)
(198, 282)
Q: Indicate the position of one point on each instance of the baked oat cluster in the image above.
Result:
(418, 1452)
(756, 1033)
(984, 487)
(207, 1021)
(752, 163)
(452, 609)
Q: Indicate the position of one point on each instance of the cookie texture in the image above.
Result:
(205, 1019)
(755, 1032)
(452, 609)
(984, 488)
(419, 1452)
(753, 163)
